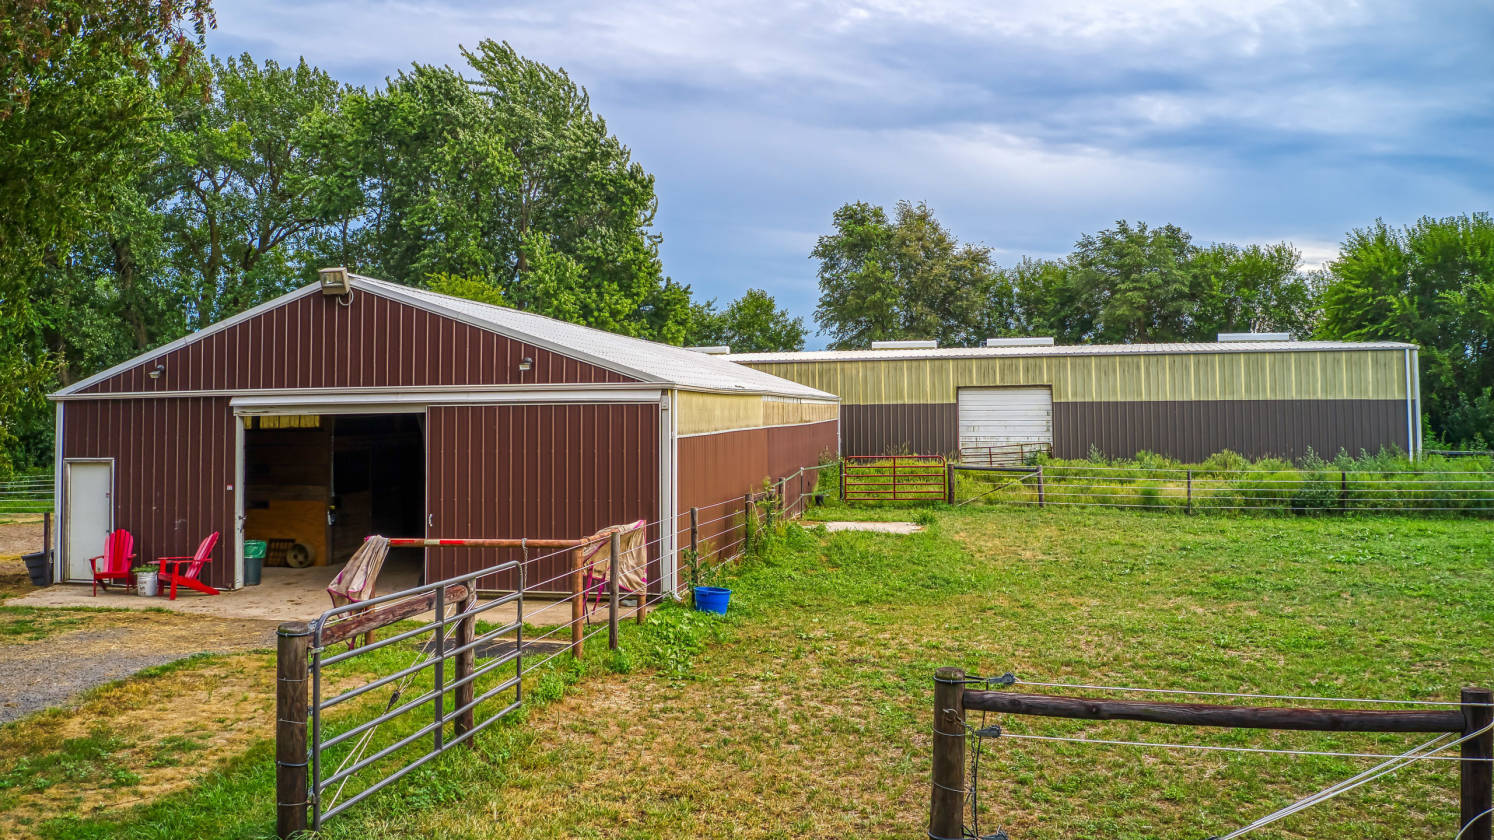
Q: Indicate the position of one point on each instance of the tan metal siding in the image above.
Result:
(1322, 374)
(702, 413)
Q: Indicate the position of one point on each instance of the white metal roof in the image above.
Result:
(647, 360)
(1068, 350)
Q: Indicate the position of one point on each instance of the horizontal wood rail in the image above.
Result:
(1200, 714)
(382, 616)
(1472, 718)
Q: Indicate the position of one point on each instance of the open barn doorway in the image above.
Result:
(316, 484)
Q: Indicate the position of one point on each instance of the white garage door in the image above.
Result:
(1003, 417)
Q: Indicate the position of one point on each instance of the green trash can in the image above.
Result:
(254, 561)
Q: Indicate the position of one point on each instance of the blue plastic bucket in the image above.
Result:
(712, 599)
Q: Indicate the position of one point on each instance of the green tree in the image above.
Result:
(80, 111)
(1431, 283)
(905, 277)
(244, 185)
(509, 176)
(752, 323)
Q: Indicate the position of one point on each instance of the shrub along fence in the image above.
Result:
(1323, 490)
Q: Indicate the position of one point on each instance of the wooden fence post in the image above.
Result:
(578, 602)
(292, 673)
(1190, 491)
(466, 663)
(1041, 499)
(1343, 491)
(1477, 789)
(947, 800)
(615, 547)
(949, 483)
(842, 479)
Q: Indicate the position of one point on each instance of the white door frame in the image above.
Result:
(62, 506)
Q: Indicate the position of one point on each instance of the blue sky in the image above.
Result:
(1023, 124)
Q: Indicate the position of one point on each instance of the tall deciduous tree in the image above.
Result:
(1431, 283)
(753, 323)
(508, 175)
(905, 277)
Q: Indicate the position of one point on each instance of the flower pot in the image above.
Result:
(39, 567)
(146, 583)
(712, 599)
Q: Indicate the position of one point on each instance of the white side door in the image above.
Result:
(88, 488)
(1001, 417)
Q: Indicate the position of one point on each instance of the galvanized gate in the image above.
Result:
(323, 768)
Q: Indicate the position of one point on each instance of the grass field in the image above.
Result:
(806, 712)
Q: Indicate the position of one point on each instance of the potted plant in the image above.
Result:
(146, 580)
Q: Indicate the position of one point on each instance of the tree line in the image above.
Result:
(903, 275)
(148, 189)
(152, 190)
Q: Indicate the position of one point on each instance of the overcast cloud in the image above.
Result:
(1023, 124)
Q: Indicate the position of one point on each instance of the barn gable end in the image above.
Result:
(311, 341)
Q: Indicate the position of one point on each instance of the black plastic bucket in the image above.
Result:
(39, 566)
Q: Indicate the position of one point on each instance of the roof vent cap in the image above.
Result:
(916, 344)
(712, 349)
(1020, 341)
(1261, 336)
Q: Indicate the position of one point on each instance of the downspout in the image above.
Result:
(1410, 416)
(1416, 381)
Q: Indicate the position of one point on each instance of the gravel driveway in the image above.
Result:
(52, 671)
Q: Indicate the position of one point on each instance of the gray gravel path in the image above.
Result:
(54, 671)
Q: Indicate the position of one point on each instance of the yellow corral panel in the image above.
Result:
(700, 413)
(1328, 374)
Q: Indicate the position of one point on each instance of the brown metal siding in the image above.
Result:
(537, 471)
(916, 428)
(1193, 430)
(316, 342)
(723, 467)
(173, 470)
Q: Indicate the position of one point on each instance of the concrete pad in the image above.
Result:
(283, 595)
(874, 527)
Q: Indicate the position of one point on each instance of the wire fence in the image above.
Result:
(1323, 491)
(29, 494)
(345, 728)
(956, 810)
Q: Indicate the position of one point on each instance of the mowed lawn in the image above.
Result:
(806, 713)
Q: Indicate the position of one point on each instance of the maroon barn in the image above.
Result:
(332, 413)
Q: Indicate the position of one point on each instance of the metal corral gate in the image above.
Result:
(305, 654)
(893, 478)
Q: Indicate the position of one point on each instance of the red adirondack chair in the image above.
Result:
(119, 550)
(172, 572)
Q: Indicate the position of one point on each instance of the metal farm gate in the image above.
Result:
(893, 478)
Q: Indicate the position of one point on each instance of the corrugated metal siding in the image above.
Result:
(702, 412)
(724, 467)
(1193, 430)
(316, 342)
(1338, 374)
(173, 470)
(537, 471)
(892, 429)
